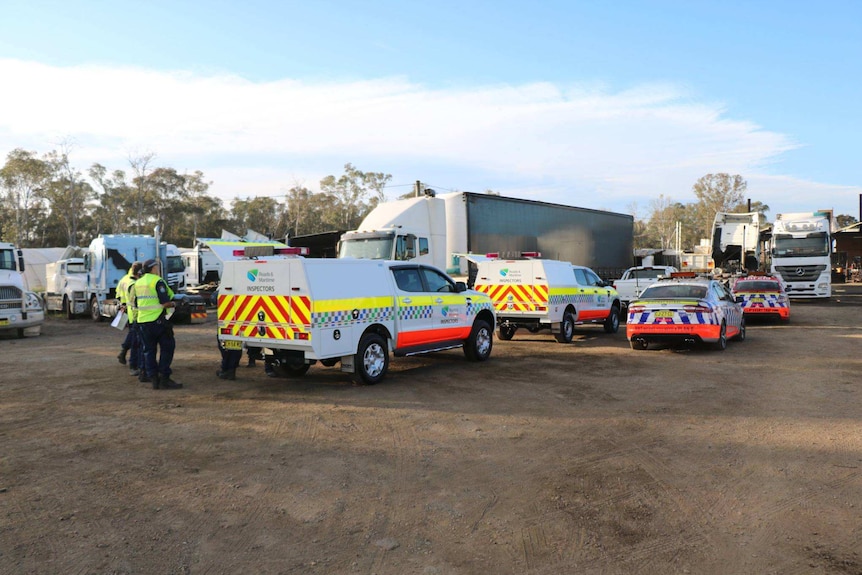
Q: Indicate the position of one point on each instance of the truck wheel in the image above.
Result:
(567, 329)
(372, 359)
(67, 308)
(612, 323)
(721, 344)
(478, 346)
(94, 310)
(20, 333)
(507, 332)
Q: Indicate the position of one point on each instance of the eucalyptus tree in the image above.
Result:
(22, 179)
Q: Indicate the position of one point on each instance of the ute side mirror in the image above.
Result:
(460, 287)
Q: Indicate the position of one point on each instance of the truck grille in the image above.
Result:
(800, 273)
(10, 292)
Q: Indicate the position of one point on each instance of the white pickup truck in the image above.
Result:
(637, 279)
(346, 310)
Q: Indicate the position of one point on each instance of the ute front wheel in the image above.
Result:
(478, 346)
(612, 323)
(372, 359)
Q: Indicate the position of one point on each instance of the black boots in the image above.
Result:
(229, 374)
(160, 382)
(121, 357)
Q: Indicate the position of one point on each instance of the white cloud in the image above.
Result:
(586, 146)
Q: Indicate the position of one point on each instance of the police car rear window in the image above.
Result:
(757, 285)
(674, 291)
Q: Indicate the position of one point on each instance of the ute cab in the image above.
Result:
(762, 295)
(347, 311)
(539, 294)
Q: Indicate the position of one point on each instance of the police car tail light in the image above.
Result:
(636, 308)
(696, 309)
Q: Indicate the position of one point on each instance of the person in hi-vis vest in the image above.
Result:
(152, 298)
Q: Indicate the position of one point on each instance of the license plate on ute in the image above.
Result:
(232, 344)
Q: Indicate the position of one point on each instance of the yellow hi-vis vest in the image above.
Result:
(122, 290)
(132, 302)
(147, 298)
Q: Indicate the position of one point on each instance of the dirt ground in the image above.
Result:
(548, 459)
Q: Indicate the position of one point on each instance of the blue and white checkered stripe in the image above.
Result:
(682, 318)
(474, 308)
(345, 317)
(415, 312)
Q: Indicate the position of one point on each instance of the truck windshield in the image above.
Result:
(76, 268)
(379, 248)
(815, 244)
(176, 265)
(7, 259)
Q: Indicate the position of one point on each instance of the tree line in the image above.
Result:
(47, 202)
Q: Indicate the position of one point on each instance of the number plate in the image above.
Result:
(664, 313)
(4, 321)
(232, 344)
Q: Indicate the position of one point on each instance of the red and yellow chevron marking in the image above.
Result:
(199, 317)
(283, 316)
(523, 297)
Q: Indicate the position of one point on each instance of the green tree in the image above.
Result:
(117, 207)
(844, 220)
(716, 193)
(23, 178)
(67, 194)
(356, 193)
(261, 214)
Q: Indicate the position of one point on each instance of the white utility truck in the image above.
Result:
(440, 230)
(547, 294)
(637, 279)
(305, 310)
(802, 253)
(20, 309)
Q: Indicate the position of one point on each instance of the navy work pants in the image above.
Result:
(158, 336)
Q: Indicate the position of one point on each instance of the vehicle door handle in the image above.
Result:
(439, 300)
(406, 300)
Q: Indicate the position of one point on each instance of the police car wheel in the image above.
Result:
(567, 329)
(372, 359)
(478, 346)
(721, 344)
(612, 323)
(507, 332)
(741, 335)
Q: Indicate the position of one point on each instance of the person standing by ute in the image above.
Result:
(152, 298)
(122, 293)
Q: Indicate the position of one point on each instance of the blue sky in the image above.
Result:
(603, 105)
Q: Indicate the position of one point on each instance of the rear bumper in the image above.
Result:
(673, 332)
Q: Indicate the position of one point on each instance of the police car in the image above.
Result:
(762, 295)
(686, 309)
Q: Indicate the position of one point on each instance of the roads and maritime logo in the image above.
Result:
(252, 275)
(445, 311)
(504, 272)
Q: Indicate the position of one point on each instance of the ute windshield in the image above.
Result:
(674, 291)
(376, 248)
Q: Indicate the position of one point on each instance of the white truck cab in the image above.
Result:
(347, 310)
(20, 309)
(547, 294)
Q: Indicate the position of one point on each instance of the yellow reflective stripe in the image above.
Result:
(330, 305)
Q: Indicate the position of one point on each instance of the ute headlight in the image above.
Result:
(33, 302)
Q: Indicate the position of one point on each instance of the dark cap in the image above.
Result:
(150, 264)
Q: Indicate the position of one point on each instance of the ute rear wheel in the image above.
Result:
(372, 359)
(477, 347)
(567, 329)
